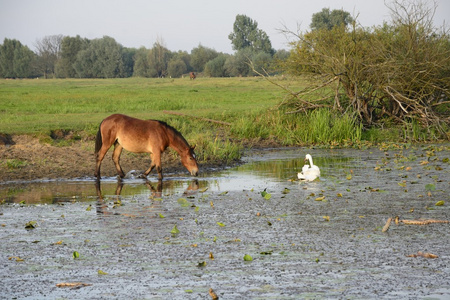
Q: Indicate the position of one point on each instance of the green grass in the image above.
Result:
(39, 107)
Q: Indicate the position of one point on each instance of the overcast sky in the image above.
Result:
(181, 24)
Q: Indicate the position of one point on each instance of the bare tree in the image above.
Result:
(48, 50)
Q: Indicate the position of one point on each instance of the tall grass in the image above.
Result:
(321, 126)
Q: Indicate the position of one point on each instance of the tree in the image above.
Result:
(200, 56)
(239, 64)
(247, 35)
(70, 46)
(141, 65)
(16, 60)
(158, 59)
(397, 72)
(327, 19)
(216, 66)
(177, 67)
(48, 52)
(128, 62)
(101, 59)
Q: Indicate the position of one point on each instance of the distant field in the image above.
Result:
(38, 106)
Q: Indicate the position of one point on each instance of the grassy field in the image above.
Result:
(38, 106)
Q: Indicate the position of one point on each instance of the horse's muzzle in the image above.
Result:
(194, 172)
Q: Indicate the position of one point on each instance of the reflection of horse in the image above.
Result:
(192, 75)
(102, 207)
(139, 136)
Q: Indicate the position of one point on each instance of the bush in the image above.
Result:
(396, 72)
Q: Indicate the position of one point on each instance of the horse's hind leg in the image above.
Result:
(116, 157)
(99, 157)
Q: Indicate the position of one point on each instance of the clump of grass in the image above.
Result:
(321, 126)
(15, 164)
(209, 150)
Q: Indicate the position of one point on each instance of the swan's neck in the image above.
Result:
(310, 161)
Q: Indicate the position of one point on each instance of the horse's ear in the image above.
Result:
(193, 147)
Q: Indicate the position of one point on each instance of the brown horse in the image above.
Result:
(139, 136)
(192, 75)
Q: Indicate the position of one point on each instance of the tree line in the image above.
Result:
(61, 56)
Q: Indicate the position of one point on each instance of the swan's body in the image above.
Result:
(309, 172)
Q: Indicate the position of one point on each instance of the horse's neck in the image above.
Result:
(177, 142)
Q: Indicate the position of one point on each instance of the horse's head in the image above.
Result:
(188, 160)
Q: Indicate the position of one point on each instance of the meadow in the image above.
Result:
(38, 107)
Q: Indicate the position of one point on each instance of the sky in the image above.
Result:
(179, 24)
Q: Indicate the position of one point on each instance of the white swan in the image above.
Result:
(309, 173)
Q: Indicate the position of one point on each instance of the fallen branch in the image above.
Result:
(195, 117)
(423, 254)
(72, 284)
(422, 222)
(386, 226)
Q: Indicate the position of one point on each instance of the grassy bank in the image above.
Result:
(39, 107)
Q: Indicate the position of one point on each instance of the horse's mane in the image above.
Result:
(175, 131)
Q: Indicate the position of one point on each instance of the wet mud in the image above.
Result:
(316, 240)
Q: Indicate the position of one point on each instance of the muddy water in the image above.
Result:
(314, 240)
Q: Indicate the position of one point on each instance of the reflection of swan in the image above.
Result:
(309, 173)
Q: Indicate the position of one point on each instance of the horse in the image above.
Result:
(192, 75)
(141, 136)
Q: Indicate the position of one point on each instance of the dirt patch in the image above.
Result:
(27, 158)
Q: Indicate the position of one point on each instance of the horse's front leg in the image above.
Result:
(156, 162)
(116, 157)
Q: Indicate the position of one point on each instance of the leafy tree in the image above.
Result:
(239, 64)
(128, 61)
(397, 72)
(102, 59)
(141, 65)
(327, 19)
(261, 62)
(48, 52)
(216, 66)
(177, 67)
(15, 59)
(200, 56)
(70, 46)
(158, 60)
(247, 35)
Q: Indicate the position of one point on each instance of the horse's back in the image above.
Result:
(135, 135)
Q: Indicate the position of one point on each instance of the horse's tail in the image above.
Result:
(98, 139)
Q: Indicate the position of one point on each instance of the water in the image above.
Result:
(268, 170)
(316, 240)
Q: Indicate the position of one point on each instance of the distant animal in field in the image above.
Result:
(192, 75)
(309, 172)
(141, 136)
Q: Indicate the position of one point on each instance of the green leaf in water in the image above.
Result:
(76, 255)
(286, 191)
(31, 225)
(161, 216)
(430, 187)
(220, 224)
(440, 203)
(175, 230)
(89, 208)
(248, 257)
(183, 202)
(266, 195)
(201, 264)
(100, 272)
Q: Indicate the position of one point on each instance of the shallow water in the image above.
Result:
(312, 240)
